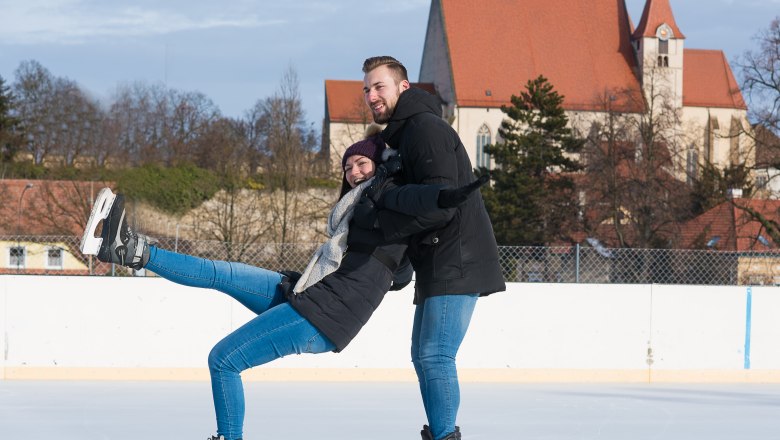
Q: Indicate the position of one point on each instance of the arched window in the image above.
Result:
(692, 165)
(663, 47)
(483, 139)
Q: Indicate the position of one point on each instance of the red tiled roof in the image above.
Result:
(582, 47)
(767, 146)
(344, 100)
(49, 207)
(656, 13)
(735, 228)
(708, 81)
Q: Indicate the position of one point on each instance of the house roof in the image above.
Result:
(582, 47)
(731, 227)
(708, 80)
(656, 13)
(767, 147)
(344, 100)
(48, 207)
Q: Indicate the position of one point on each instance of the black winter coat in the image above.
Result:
(461, 257)
(341, 303)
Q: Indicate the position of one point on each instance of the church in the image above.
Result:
(476, 55)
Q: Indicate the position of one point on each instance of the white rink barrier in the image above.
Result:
(122, 328)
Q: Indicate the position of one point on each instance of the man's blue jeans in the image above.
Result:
(277, 331)
(440, 323)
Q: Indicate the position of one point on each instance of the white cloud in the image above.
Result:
(76, 21)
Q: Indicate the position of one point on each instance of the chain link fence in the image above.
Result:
(60, 255)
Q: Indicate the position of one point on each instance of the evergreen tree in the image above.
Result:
(532, 200)
(8, 124)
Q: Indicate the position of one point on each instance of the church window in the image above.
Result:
(692, 164)
(761, 181)
(663, 47)
(483, 139)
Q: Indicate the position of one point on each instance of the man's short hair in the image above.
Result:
(395, 66)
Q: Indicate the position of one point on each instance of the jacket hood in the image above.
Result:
(412, 102)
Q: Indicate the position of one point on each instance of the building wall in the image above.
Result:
(342, 135)
(36, 257)
(149, 328)
(695, 125)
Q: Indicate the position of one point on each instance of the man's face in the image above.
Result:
(381, 92)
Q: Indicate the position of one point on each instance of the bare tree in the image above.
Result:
(79, 123)
(35, 89)
(608, 149)
(188, 117)
(635, 188)
(759, 72)
(285, 146)
(153, 124)
(237, 218)
(223, 147)
(63, 206)
(760, 77)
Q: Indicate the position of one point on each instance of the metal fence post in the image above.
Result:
(577, 263)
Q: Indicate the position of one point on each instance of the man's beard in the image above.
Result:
(382, 118)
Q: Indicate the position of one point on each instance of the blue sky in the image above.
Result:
(235, 52)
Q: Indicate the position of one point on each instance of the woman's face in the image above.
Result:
(358, 169)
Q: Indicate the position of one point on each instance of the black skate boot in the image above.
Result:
(427, 435)
(220, 437)
(117, 244)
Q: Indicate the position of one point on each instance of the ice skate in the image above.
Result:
(100, 210)
(117, 243)
(427, 435)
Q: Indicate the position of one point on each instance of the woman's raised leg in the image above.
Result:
(254, 287)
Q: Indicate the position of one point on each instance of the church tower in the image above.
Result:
(659, 47)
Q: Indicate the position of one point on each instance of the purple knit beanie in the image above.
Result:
(372, 148)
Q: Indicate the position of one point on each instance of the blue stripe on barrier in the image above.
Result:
(748, 317)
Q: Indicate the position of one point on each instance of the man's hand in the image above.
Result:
(387, 168)
(365, 214)
(450, 198)
(392, 164)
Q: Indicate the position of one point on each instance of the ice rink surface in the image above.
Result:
(127, 410)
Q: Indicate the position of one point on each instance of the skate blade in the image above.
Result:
(103, 203)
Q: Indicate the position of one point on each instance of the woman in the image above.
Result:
(327, 307)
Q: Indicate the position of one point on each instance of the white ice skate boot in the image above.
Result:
(89, 243)
(117, 243)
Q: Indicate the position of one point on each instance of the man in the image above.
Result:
(454, 265)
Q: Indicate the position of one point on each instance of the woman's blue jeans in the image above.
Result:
(440, 323)
(277, 331)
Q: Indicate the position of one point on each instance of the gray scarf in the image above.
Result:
(328, 257)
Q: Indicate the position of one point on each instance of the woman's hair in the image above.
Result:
(398, 70)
